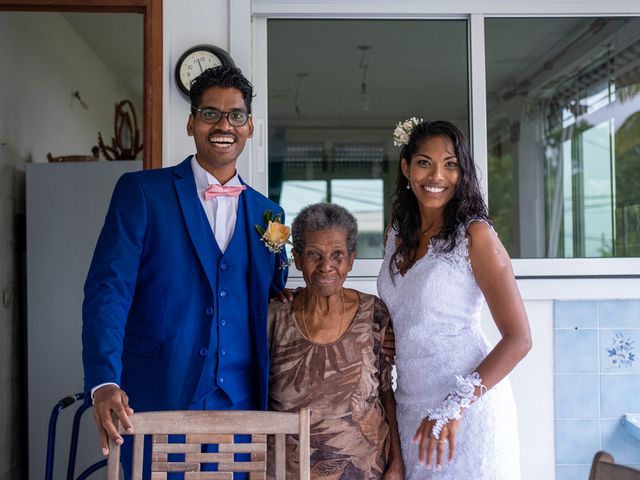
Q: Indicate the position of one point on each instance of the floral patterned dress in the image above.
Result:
(340, 383)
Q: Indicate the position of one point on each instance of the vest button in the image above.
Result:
(210, 311)
(203, 352)
(223, 322)
(223, 352)
(220, 380)
(223, 266)
(223, 294)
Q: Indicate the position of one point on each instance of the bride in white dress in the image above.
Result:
(455, 407)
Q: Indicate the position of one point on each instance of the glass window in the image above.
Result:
(337, 89)
(563, 123)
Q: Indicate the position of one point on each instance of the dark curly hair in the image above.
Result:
(467, 202)
(224, 76)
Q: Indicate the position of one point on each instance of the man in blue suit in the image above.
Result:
(177, 294)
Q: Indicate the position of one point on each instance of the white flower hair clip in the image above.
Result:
(403, 131)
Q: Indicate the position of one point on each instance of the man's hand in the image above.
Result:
(284, 296)
(106, 400)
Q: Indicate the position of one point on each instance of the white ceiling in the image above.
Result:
(414, 67)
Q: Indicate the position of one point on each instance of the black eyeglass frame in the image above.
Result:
(195, 110)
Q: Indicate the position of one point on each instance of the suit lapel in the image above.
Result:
(259, 255)
(197, 224)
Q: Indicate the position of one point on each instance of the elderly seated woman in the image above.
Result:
(332, 350)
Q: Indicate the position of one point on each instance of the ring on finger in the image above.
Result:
(443, 442)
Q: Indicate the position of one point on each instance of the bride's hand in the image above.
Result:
(428, 444)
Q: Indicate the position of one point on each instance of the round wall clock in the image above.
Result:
(196, 60)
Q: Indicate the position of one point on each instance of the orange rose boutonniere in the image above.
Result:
(275, 236)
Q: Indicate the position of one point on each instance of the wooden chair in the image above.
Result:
(213, 427)
(604, 468)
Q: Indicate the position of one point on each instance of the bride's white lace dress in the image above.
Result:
(435, 309)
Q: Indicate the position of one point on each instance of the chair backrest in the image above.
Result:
(214, 427)
(604, 468)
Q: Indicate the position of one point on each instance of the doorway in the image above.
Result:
(151, 10)
(13, 459)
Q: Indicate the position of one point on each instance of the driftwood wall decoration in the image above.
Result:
(126, 144)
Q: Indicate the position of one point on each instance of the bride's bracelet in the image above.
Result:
(460, 397)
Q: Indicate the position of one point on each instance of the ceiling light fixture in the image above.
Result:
(301, 76)
(364, 93)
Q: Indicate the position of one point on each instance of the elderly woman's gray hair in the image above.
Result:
(324, 216)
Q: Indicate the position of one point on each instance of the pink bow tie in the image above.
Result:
(217, 190)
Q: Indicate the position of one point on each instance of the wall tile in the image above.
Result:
(624, 447)
(577, 396)
(575, 314)
(620, 351)
(577, 441)
(572, 472)
(576, 351)
(619, 394)
(620, 314)
(597, 366)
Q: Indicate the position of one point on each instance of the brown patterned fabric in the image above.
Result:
(340, 382)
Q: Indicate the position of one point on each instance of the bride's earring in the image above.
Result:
(408, 185)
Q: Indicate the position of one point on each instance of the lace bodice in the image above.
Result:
(435, 309)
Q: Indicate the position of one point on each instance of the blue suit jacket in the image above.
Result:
(151, 284)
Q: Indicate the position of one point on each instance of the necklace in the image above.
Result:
(304, 321)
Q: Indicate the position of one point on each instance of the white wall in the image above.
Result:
(186, 24)
(192, 23)
(44, 61)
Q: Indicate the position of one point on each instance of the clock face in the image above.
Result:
(194, 64)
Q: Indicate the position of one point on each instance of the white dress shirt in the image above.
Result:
(221, 212)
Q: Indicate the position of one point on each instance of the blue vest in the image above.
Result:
(230, 362)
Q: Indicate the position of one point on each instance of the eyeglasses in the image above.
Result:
(236, 118)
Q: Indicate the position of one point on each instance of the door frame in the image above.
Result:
(152, 57)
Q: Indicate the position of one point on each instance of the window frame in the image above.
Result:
(248, 45)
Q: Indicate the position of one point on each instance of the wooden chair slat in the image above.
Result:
(208, 438)
(160, 438)
(304, 439)
(138, 453)
(241, 447)
(176, 447)
(259, 456)
(243, 467)
(216, 422)
(281, 460)
(209, 457)
(159, 457)
(208, 476)
(174, 467)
